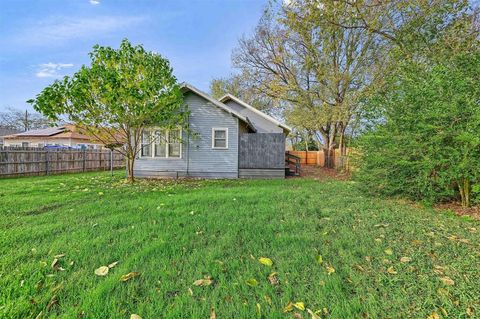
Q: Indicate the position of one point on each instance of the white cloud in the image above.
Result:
(54, 30)
(94, 2)
(51, 70)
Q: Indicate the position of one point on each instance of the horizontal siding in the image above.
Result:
(198, 157)
(261, 173)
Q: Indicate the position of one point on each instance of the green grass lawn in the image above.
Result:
(174, 233)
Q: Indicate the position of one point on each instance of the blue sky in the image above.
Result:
(41, 40)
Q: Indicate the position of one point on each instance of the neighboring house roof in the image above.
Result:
(229, 97)
(190, 88)
(65, 131)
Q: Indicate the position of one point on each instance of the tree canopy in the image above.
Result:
(123, 91)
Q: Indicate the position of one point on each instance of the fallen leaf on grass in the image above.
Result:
(207, 281)
(273, 279)
(299, 305)
(55, 263)
(265, 261)
(312, 314)
(319, 259)
(212, 314)
(405, 259)
(59, 256)
(252, 282)
(297, 315)
(434, 315)
(135, 316)
(113, 264)
(101, 271)
(391, 271)
(129, 276)
(330, 270)
(447, 281)
(288, 307)
(388, 251)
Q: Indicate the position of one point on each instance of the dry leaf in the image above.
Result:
(405, 259)
(273, 279)
(447, 281)
(129, 276)
(330, 270)
(299, 305)
(434, 315)
(55, 263)
(389, 251)
(391, 271)
(135, 316)
(252, 282)
(288, 307)
(207, 281)
(113, 264)
(59, 256)
(470, 311)
(312, 314)
(101, 271)
(212, 314)
(265, 261)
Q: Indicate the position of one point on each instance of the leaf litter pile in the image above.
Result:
(91, 246)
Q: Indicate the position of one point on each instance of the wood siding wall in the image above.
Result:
(199, 159)
(18, 161)
(262, 151)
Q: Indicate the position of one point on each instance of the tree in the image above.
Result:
(320, 69)
(239, 86)
(425, 143)
(23, 120)
(123, 91)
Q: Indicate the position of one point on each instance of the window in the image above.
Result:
(162, 143)
(219, 137)
(146, 146)
(25, 144)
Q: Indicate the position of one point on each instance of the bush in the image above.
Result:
(426, 143)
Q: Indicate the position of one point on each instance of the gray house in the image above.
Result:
(230, 139)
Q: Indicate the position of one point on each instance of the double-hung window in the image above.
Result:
(161, 143)
(220, 138)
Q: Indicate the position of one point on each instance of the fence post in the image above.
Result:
(46, 162)
(111, 161)
(84, 159)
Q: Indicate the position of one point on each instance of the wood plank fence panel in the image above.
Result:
(23, 161)
(262, 150)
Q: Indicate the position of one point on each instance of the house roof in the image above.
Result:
(188, 87)
(229, 97)
(7, 131)
(65, 131)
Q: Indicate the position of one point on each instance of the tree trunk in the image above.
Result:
(130, 162)
(464, 188)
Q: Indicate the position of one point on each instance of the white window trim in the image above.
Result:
(226, 137)
(153, 145)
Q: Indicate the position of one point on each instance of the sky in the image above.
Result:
(42, 40)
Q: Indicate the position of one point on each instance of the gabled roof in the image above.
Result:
(185, 87)
(50, 131)
(229, 97)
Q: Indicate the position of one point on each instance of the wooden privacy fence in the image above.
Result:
(318, 157)
(22, 161)
(264, 150)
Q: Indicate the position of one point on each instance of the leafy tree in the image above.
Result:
(123, 91)
(425, 143)
(318, 68)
